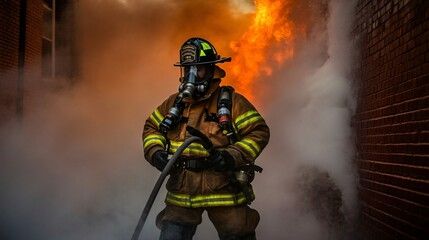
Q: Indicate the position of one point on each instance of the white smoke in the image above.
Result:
(313, 191)
(74, 169)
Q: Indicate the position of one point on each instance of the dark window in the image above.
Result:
(47, 23)
(47, 58)
(47, 3)
(48, 39)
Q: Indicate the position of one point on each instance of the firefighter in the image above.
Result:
(217, 181)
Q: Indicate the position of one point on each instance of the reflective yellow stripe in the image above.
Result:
(194, 149)
(156, 117)
(235, 128)
(202, 53)
(211, 200)
(247, 118)
(154, 139)
(206, 46)
(251, 146)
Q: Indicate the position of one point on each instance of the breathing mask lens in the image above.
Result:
(184, 74)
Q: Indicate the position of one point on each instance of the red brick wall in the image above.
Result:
(393, 118)
(32, 85)
(33, 54)
(11, 89)
(9, 36)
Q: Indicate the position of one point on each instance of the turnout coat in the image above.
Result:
(207, 188)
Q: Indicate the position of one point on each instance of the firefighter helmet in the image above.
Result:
(197, 51)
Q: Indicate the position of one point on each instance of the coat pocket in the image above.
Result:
(216, 180)
(216, 135)
(175, 182)
(214, 129)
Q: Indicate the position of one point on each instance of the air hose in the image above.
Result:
(200, 138)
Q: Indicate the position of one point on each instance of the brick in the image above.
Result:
(393, 120)
(410, 222)
(385, 165)
(382, 184)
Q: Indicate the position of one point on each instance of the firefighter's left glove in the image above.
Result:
(160, 159)
(221, 161)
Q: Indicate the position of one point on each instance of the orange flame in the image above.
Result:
(269, 38)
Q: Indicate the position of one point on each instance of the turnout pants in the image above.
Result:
(233, 222)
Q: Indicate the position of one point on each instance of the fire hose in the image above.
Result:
(197, 137)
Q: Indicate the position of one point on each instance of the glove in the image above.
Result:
(159, 159)
(221, 161)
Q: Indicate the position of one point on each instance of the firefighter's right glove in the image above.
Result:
(159, 159)
(221, 161)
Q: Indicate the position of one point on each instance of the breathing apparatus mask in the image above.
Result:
(192, 85)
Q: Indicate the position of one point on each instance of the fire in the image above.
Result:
(267, 42)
